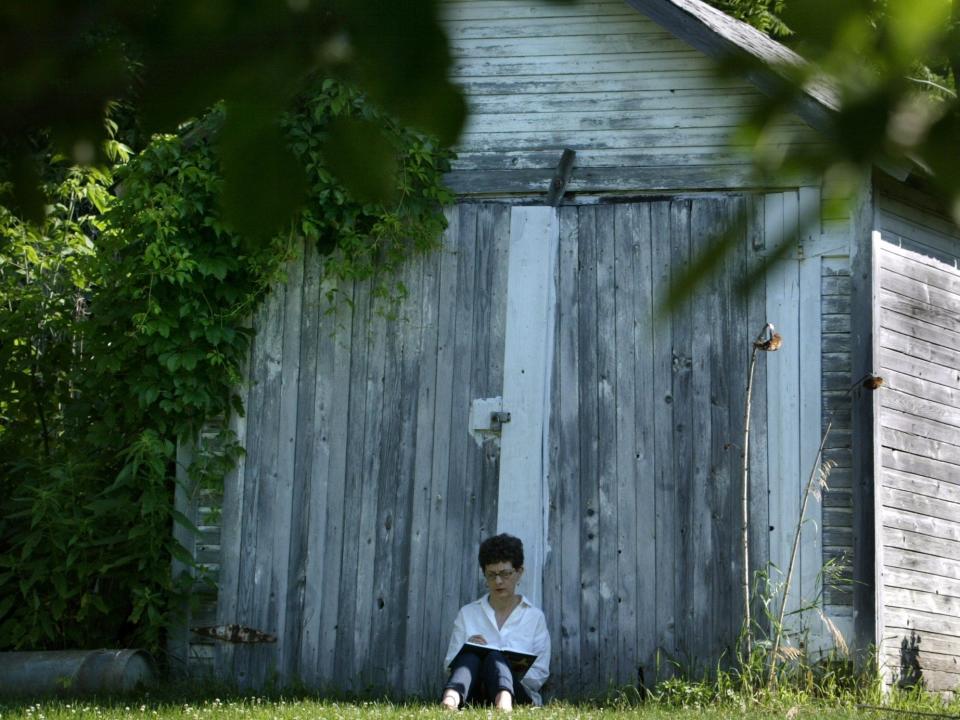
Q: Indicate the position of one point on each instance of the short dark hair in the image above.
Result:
(501, 548)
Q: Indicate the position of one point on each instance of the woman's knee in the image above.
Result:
(495, 658)
(496, 672)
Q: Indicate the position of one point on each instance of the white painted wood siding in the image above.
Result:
(642, 109)
(917, 473)
(527, 360)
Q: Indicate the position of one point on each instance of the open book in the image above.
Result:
(519, 661)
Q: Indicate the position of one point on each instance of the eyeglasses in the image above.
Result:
(503, 575)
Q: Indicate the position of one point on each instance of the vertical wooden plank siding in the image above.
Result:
(303, 621)
(400, 604)
(735, 354)
(314, 452)
(667, 581)
(345, 583)
(629, 477)
(566, 630)
(787, 478)
(231, 519)
(458, 568)
(289, 518)
(252, 662)
(588, 512)
(647, 419)
(493, 247)
(178, 639)
(371, 480)
(434, 642)
(361, 493)
(706, 578)
(761, 477)
(810, 560)
(606, 480)
(337, 348)
(423, 449)
(681, 352)
(917, 336)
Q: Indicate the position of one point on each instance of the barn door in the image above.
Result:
(916, 437)
(646, 419)
(350, 526)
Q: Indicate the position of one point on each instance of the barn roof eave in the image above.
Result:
(725, 39)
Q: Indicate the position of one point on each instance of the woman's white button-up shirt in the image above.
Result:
(525, 630)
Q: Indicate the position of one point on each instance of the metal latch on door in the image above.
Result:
(487, 418)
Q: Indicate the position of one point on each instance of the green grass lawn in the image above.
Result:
(258, 708)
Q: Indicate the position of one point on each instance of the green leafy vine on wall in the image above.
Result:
(127, 327)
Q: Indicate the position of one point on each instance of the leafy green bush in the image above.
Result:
(126, 328)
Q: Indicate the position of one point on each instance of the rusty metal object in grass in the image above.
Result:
(75, 672)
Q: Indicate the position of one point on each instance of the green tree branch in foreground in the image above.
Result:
(64, 61)
(126, 327)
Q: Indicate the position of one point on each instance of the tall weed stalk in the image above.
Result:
(767, 341)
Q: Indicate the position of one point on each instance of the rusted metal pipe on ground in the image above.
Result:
(75, 672)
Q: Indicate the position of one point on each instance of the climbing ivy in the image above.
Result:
(129, 324)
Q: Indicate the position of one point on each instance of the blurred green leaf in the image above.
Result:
(263, 182)
(359, 154)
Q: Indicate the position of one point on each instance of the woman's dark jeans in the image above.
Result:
(478, 677)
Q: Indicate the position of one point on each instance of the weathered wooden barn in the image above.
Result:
(373, 468)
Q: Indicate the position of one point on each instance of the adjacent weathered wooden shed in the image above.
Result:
(373, 470)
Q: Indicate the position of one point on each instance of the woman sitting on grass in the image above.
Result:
(500, 620)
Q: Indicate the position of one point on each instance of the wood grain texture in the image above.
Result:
(460, 572)
(606, 397)
(566, 408)
(337, 349)
(811, 382)
(705, 389)
(345, 581)
(286, 601)
(538, 79)
(666, 580)
(184, 502)
(591, 671)
(422, 496)
(311, 452)
(655, 492)
(759, 477)
(635, 444)
(784, 304)
(683, 441)
(920, 454)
